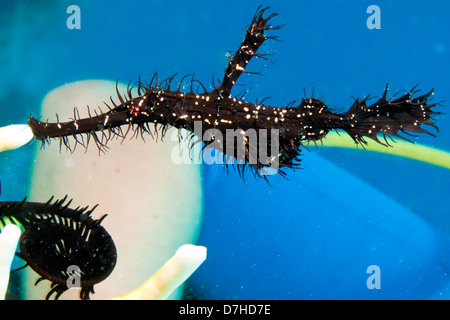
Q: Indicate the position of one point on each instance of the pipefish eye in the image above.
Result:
(55, 250)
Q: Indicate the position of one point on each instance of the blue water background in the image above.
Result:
(312, 236)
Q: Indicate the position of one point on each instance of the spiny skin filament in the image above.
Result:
(298, 126)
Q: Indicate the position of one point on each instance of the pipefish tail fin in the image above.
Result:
(389, 118)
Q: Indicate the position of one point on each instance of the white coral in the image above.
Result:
(171, 275)
(14, 136)
(8, 242)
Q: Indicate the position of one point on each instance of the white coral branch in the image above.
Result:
(170, 276)
(8, 242)
(14, 136)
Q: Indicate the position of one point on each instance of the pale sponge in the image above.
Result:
(153, 204)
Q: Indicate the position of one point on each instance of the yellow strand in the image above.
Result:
(400, 148)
